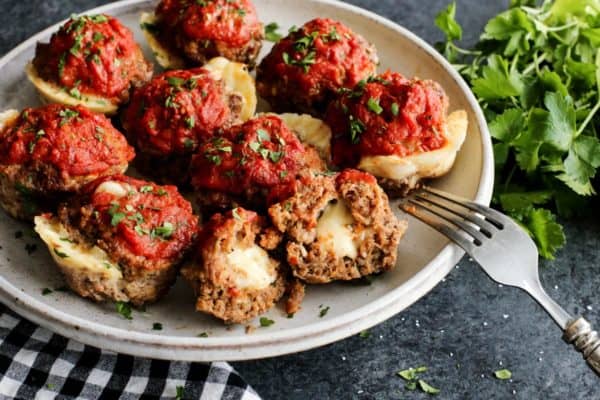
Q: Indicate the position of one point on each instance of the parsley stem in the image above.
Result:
(464, 51)
(588, 119)
(535, 65)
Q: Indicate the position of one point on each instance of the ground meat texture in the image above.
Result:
(304, 70)
(201, 30)
(94, 55)
(338, 228)
(170, 115)
(253, 164)
(232, 275)
(387, 115)
(52, 151)
(145, 228)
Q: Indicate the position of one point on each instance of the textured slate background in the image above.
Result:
(465, 329)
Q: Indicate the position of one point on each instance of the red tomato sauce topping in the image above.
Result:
(234, 22)
(262, 153)
(177, 109)
(151, 221)
(387, 115)
(354, 175)
(322, 54)
(94, 55)
(74, 140)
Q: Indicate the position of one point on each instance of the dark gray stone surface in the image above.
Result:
(465, 329)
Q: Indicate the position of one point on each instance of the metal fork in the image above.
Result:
(504, 251)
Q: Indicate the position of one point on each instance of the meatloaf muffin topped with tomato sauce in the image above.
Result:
(304, 70)
(253, 164)
(232, 274)
(91, 60)
(49, 152)
(397, 129)
(168, 117)
(191, 32)
(121, 239)
(338, 227)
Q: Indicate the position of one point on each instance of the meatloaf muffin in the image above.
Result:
(397, 129)
(232, 274)
(92, 60)
(50, 152)
(338, 227)
(121, 239)
(191, 32)
(252, 165)
(169, 116)
(304, 70)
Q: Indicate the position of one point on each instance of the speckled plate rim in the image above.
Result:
(260, 345)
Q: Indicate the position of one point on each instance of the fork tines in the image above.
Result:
(467, 223)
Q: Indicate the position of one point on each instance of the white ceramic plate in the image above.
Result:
(424, 256)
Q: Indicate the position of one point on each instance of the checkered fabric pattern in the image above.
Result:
(38, 364)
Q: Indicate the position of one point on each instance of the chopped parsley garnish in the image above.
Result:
(164, 232)
(411, 376)
(124, 309)
(201, 3)
(283, 174)
(373, 105)
(97, 36)
(115, 215)
(202, 334)
(46, 291)
(290, 315)
(75, 93)
(305, 62)
(61, 64)
(266, 322)
(323, 311)
(157, 326)
(146, 189)
(356, 128)
(275, 156)
(175, 81)
(67, 115)
(38, 135)
(364, 334)
(503, 374)
(179, 393)
(333, 35)
(241, 12)
(149, 27)
(213, 158)
(263, 135)
(395, 109)
(190, 122)
(188, 143)
(271, 33)
(60, 253)
(170, 102)
(74, 50)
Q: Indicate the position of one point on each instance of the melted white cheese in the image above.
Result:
(164, 56)
(117, 189)
(52, 93)
(7, 118)
(72, 256)
(429, 164)
(334, 230)
(252, 268)
(310, 130)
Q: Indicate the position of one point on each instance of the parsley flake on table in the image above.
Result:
(536, 74)
(157, 326)
(413, 381)
(503, 374)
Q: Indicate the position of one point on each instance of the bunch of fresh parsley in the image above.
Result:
(536, 74)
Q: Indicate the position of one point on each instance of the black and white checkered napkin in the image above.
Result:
(38, 364)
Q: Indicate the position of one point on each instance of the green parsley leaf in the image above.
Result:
(164, 232)
(364, 334)
(157, 326)
(175, 81)
(266, 322)
(373, 105)
(427, 388)
(60, 253)
(447, 23)
(271, 33)
(179, 393)
(503, 374)
(323, 311)
(202, 335)
(46, 291)
(124, 309)
(395, 109)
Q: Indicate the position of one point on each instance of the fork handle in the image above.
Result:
(579, 332)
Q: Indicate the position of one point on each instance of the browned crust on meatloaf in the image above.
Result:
(298, 216)
(200, 52)
(212, 280)
(295, 295)
(29, 190)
